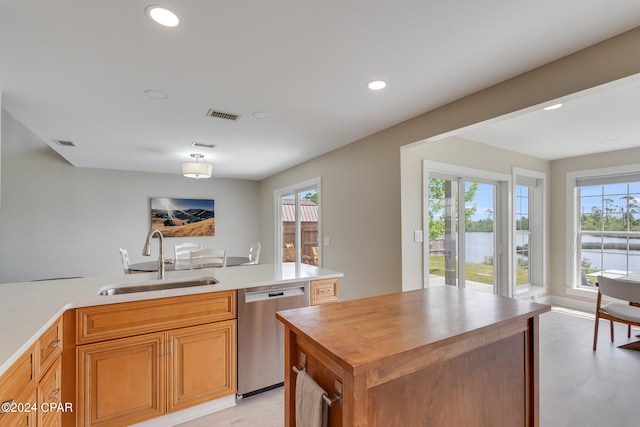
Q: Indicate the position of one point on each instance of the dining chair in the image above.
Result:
(289, 254)
(182, 250)
(124, 256)
(199, 259)
(254, 253)
(620, 289)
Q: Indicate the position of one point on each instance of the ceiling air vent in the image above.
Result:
(65, 143)
(223, 115)
(202, 144)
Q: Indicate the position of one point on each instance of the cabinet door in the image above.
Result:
(202, 364)
(122, 381)
(49, 396)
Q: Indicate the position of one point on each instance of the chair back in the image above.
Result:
(289, 254)
(254, 253)
(626, 290)
(182, 250)
(201, 258)
(124, 256)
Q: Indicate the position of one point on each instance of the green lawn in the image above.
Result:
(482, 273)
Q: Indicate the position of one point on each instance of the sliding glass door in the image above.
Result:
(298, 223)
(462, 233)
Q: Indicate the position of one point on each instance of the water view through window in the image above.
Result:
(609, 235)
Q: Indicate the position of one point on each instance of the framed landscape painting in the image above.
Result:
(183, 217)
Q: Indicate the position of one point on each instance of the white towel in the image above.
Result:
(311, 410)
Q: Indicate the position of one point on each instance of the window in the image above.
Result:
(298, 223)
(603, 224)
(523, 235)
(529, 265)
(608, 225)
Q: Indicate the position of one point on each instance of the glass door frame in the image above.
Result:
(296, 189)
(503, 219)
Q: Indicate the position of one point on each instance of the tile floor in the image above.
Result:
(578, 388)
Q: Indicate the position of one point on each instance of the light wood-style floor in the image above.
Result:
(578, 388)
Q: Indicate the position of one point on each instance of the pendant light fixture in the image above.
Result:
(197, 168)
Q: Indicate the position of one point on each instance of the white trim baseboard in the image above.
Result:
(192, 413)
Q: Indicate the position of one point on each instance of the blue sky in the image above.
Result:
(484, 201)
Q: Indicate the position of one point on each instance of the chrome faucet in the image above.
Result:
(147, 251)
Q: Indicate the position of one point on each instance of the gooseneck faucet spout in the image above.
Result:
(147, 251)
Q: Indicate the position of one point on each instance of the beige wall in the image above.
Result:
(370, 216)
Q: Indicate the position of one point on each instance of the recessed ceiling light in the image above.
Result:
(162, 16)
(260, 115)
(608, 141)
(376, 84)
(155, 94)
(552, 107)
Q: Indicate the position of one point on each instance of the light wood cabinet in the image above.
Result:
(104, 322)
(18, 387)
(121, 381)
(49, 392)
(143, 359)
(49, 347)
(193, 351)
(324, 291)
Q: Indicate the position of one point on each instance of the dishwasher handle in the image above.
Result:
(258, 296)
(276, 294)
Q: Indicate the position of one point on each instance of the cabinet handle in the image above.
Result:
(6, 404)
(55, 344)
(55, 394)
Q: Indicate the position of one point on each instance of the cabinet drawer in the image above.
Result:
(19, 377)
(49, 396)
(22, 418)
(49, 347)
(324, 291)
(104, 322)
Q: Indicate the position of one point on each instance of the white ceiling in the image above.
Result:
(605, 118)
(78, 70)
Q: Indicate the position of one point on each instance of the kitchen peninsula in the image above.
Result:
(48, 324)
(439, 357)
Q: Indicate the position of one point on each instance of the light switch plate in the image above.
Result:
(417, 236)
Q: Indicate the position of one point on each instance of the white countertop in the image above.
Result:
(27, 309)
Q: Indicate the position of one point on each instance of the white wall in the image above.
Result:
(57, 220)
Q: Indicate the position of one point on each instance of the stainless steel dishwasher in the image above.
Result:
(261, 336)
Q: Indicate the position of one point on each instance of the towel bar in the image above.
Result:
(328, 400)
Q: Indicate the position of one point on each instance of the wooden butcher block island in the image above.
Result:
(433, 357)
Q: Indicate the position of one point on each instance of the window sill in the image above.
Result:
(530, 291)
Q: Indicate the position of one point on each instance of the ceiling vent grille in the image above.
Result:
(223, 115)
(65, 143)
(202, 144)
